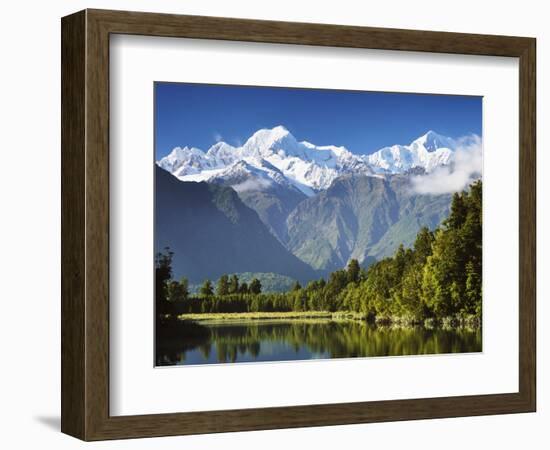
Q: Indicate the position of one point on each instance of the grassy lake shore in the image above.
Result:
(257, 315)
(394, 321)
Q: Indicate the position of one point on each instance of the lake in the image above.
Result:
(291, 340)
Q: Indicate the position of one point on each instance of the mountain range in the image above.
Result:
(291, 207)
(275, 156)
(212, 232)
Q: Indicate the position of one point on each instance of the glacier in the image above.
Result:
(275, 157)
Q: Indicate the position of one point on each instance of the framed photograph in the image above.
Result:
(273, 225)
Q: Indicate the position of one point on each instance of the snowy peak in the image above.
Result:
(221, 154)
(269, 153)
(276, 155)
(267, 138)
(429, 151)
(432, 141)
(266, 142)
(185, 153)
(187, 157)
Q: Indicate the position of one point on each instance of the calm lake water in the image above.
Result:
(288, 340)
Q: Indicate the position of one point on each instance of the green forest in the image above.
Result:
(438, 278)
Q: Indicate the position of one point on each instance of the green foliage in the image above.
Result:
(255, 286)
(473, 289)
(452, 273)
(423, 245)
(206, 289)
(177, 291)
(440, 276)
(353, 271)
(163, 275)
(223, 286)
(234, 284)
(271, 282)
(243, 288)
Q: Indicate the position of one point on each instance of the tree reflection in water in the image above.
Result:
(295, 340)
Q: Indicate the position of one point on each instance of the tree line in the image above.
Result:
(440, 276)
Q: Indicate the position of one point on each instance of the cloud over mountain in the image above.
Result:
(465, 167)
(276, 156)
(325, 204)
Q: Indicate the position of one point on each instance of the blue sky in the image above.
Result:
(199, 115)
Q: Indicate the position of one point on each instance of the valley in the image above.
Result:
(324, 205)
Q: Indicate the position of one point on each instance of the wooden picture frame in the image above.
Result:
(85, 224)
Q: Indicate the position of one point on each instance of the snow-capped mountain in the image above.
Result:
(274, 157)
(323, 204)
(428, 152)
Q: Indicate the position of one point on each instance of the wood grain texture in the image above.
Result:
(97, 226)
(85, 224)
(201, 27)
(73, 226)
(527, 224)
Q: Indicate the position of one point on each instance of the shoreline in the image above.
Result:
(206, 317)
(390, 321)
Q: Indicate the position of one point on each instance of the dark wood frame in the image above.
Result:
(85, 224)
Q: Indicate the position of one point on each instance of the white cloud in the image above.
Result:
(467, 165)
(252, 185)
(218, 137)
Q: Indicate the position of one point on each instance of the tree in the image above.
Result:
(377, 289)
(163, 274)
(458, 212)
(223, 286)
(206, 289)
(441, 275)
(255, 286)
(411, 294)
(178, 291)
(423, 245)
(452, 274)
(243, 288)
(184, 288)
(362, 275)
(353, 271)
(234, 284)
(400, 262)
(473, 290)
(299, 300)
(337, 281)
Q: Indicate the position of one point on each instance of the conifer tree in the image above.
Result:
(243, 288)
(234, 284)
(163, 275)
(223, 286)
(206, 289)
(255, 286)
(353, 271)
